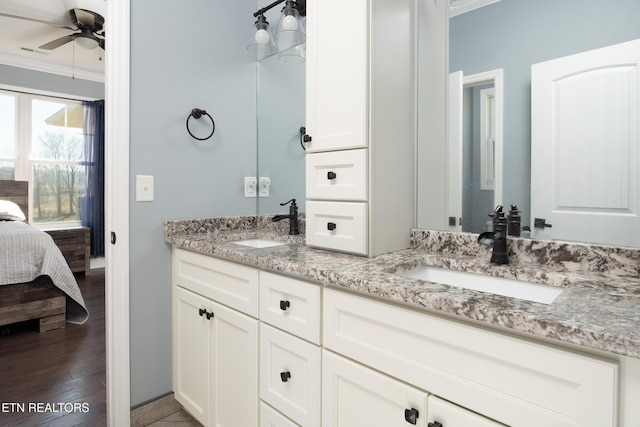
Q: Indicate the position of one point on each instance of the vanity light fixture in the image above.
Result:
(290, 30)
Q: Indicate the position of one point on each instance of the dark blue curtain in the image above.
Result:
(92, 204)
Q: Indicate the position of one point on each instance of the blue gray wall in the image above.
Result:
(183, 55)
(15, 76)
(513, 34)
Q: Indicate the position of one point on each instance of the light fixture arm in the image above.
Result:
(300, 5)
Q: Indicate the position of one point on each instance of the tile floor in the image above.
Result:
(177, 419)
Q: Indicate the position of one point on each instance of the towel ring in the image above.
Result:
(196, 113)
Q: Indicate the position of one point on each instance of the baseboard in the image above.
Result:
(154, 411)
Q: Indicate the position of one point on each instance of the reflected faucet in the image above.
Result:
(497, 237)
(292, 217)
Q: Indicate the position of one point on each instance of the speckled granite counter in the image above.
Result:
(599, 307)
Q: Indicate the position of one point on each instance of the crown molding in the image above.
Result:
(457, 7)
(45, 67)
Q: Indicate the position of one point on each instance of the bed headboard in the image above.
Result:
(17, 192)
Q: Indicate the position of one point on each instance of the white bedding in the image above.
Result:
(27, 253)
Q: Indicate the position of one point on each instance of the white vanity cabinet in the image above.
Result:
(215, 347)
(360, 117)
(511, 380)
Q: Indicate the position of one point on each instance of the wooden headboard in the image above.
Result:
(17, 192)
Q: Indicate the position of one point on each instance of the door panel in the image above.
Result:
(584, 146)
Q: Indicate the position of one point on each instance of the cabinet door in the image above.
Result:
(449, 415)
(234, 369)
(336, 99)
(191, 352)
(354, 395)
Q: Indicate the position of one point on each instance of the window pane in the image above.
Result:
(7, 171)
(57, 131)
(7, 126)
(56, 192)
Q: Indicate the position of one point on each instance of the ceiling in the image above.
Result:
(20, 39)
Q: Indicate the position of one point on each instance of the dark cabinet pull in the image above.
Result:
(284, 305)
(284, 376)
(411, 416)
(209, 315)
(435, 424)
(331, 175)
(331, 226)
(202, 312)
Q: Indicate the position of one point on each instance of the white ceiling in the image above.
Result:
(16, 35)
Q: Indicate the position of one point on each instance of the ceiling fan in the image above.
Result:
(89, 26)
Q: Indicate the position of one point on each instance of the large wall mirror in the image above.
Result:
(281, 113)
(512, 35)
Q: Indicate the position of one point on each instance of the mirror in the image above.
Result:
(514, 34)
(281, 113)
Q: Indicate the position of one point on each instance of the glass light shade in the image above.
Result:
(290, 30)
(261, 43)
(294, 55)
(86, 42)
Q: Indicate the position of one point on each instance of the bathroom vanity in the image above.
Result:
(299, 336)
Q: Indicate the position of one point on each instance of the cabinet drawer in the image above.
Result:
(341, 226)
(505, 378)
(229, 283)
(290, 375)
(291, 305)
(269, 417)
(338, 175)
(448, 414)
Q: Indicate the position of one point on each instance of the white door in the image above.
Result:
(354, 395)
(585, 153)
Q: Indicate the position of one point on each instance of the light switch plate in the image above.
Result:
(263, 186)
(144, 188)
(250, 186)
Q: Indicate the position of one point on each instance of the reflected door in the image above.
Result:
(584, 146)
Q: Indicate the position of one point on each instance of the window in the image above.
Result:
(42, 141)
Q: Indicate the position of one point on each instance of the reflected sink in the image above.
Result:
(259, 243)
(536, 292)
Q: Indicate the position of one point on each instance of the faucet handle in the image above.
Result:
(292, 201)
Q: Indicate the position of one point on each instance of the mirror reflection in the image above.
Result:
(512, 35)
(281, 114)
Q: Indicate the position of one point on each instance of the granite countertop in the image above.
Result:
(599, 307)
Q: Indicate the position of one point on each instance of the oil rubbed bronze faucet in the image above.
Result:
(292, 217)
(497, 237)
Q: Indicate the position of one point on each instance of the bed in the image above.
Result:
(35, 280)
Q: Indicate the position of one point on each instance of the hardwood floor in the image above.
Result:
(56, 378)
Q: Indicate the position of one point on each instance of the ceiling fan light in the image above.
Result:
(87, 42)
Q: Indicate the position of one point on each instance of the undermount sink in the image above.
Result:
(259, 243)
(536, 292)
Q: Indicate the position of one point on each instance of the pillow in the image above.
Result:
(10, 211)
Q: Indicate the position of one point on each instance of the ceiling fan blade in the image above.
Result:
(58, 42)
(40, 21)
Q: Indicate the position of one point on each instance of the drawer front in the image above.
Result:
(269, 417)
(291, 305)
(504, 378)
(448, 414)
(338, 175)
(226, 282)
(340, 226)
(290, 375)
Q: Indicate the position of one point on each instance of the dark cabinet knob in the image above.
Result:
(209, 315)
(435, 424)
(202, 312)
(331, 175)
(411, 416)
(331, 226)
(284, 305)
(284, 376)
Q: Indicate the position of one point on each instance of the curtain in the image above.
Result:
(92, 204)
